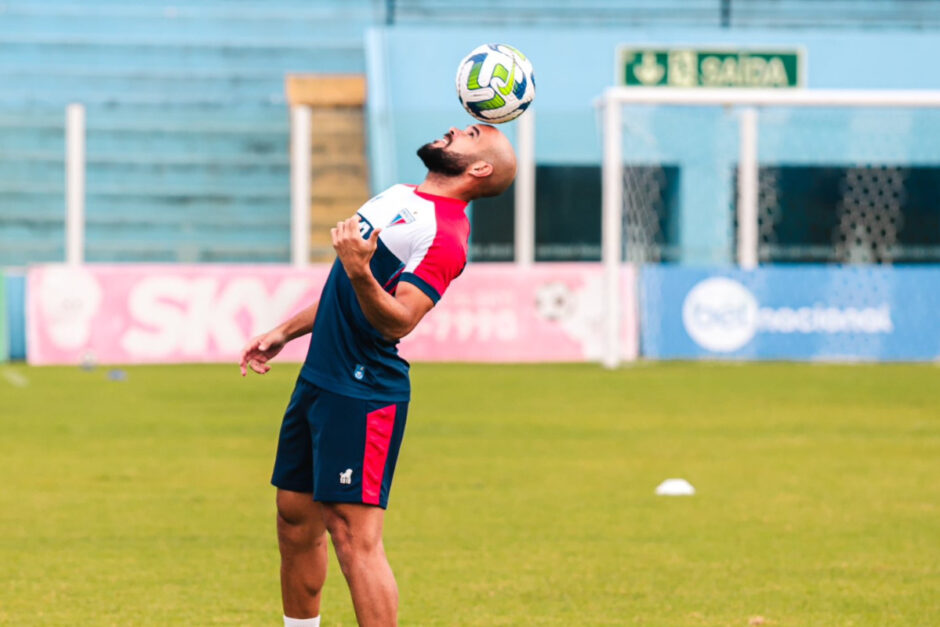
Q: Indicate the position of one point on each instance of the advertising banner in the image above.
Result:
(799, 313)
(117, 314)
(4, 324)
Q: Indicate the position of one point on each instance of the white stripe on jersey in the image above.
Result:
(408, 223)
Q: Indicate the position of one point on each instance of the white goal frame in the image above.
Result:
(749, 101)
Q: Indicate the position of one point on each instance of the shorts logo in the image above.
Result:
(360, 372)
(345, 477)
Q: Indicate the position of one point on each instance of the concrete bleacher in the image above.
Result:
(187, 124)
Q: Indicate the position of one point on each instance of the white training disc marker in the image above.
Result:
(675, 487)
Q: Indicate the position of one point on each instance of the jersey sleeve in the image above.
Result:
(434, 265)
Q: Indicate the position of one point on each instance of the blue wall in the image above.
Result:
(412, 100)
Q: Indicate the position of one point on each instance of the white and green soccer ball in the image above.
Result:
(495, 83)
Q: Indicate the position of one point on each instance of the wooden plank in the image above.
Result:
(326, 90)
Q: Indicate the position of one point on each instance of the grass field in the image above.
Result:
(524, 496)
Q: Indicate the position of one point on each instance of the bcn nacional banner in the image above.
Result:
(123, 314)
(799, 313)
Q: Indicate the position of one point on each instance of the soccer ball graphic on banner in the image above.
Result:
(495, 83)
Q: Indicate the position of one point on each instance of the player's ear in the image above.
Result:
(480, 169)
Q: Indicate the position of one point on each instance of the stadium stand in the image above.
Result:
(187, 141)
(848, 14)
(187, 122)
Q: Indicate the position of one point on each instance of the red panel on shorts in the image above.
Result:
(379, 426)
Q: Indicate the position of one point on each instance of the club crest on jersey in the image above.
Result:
(402, 217)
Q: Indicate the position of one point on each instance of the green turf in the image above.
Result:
(524, 496)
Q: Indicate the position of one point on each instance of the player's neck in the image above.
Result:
(448, 187)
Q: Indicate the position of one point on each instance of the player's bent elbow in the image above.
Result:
(397, 333)
(397, 330)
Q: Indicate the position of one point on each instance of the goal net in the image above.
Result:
(835, 176)
(754, 176)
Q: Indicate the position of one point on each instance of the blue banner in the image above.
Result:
(4, 334)
(15, 313)
(792, 313)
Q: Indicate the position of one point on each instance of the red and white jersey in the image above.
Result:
(425, 236)
(423, 241)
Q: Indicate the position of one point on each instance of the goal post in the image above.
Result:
(612, 230)
(738, 171)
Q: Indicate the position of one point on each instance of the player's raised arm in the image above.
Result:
(392, 316)
(262, 348)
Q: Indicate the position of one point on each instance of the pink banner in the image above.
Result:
(122, 314)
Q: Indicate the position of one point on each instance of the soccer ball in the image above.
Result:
(495, 83)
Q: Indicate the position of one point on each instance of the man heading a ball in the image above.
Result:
(343, 427)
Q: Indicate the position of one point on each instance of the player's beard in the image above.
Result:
(437, 160)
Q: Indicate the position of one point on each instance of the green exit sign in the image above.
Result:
(690, 67)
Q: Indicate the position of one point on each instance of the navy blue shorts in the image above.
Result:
(341, 449)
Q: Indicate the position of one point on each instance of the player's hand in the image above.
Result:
(353, 251)
(260, 349)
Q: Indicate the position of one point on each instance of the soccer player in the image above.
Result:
(344, 424)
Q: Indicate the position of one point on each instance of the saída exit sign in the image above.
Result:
(709, 67)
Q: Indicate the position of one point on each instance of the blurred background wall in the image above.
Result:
(188, 126)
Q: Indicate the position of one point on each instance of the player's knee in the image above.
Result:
(291, 533)
(297, 527)
(341, 533)
(293, 507)
(351, 544)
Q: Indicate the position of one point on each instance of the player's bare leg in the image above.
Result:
(301, 537)
(356, 531)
